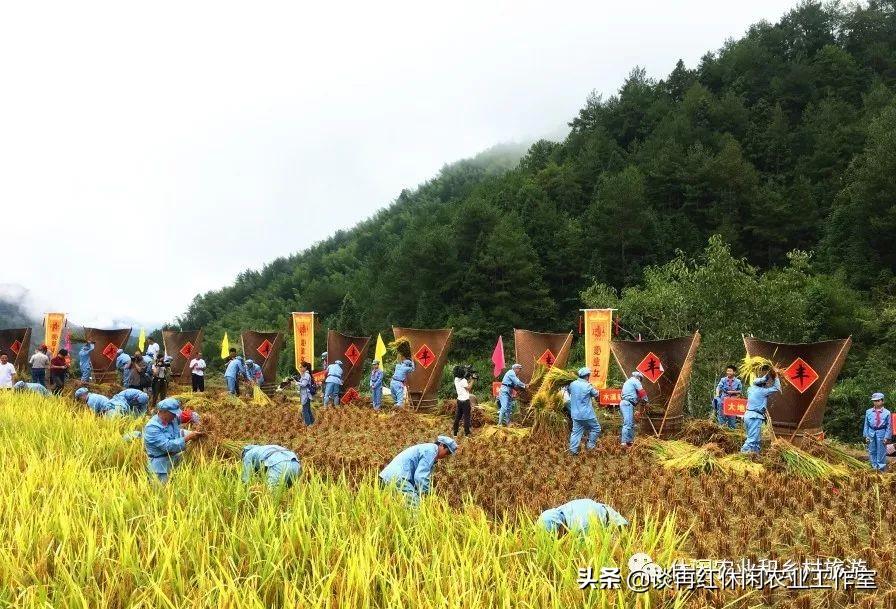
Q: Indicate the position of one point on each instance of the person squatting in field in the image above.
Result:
(411, 470)
(164, 441)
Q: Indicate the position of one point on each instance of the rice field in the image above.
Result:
(82, 526)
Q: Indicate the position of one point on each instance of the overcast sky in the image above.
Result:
(175, 144)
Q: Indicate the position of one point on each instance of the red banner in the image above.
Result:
(350, 396)
(734, 407)
(610, 397)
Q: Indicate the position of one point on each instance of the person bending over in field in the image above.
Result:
(411, 471)
(136, 401)
(577, 515)
(33, 387)
(100, 405)
(164, 441)
(280, 464)
(235, 371)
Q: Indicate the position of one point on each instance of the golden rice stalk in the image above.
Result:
(740, 464)
(800, 463)
(259, 398)
(754, 366)
(399, 346)
(838, 455)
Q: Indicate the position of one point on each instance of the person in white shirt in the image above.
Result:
(7, 372)
(40, 361)
(152, 349)
(463, 383)
(197, 371)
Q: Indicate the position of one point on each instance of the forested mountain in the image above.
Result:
(782, 140)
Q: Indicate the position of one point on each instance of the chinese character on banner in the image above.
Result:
(109, 351)
(547, 358)
(610, 397)
(734, 407)
(303, 337)
(651, 367)
(597, 344)
(352, 354)
(425, 356)
(264, 349)
(15, 347)
(187, 350)
(801, 375)
(53, 324)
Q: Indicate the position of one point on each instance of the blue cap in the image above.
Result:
(19, 385)
(119, 352)
(338, 361)
(584, 372)
(517, 366)
(877, 396)
(80, 391)
(250, 361)
(171, 405)
(448, 443)
(637, 374)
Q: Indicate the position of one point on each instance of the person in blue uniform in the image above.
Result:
(878, 431)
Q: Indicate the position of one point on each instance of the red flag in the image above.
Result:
(498, 357)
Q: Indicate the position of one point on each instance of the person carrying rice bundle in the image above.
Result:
(757, 402)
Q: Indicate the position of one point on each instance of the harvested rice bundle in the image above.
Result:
(699, 459)
(835, 453)
(800, 463)
(399, 346)
(259, 398)
(740, 464)
(754, 366)
(704, 431)
(503, 432)
(666, 449)
(230, 448)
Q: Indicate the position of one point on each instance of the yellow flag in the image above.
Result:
(225, 347)
(53, 325)
(303, 335)
(141, 340)
(380, 352)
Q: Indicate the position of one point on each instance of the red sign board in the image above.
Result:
(651, 367)
(734, 407)
(350, 396)
(610, 397)
(265, 348)
(109, 351)
(352, 354)
(15, 347)
(801, 375)
(187, 349)
(320, 376)
(547, 358)
(425, 356)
